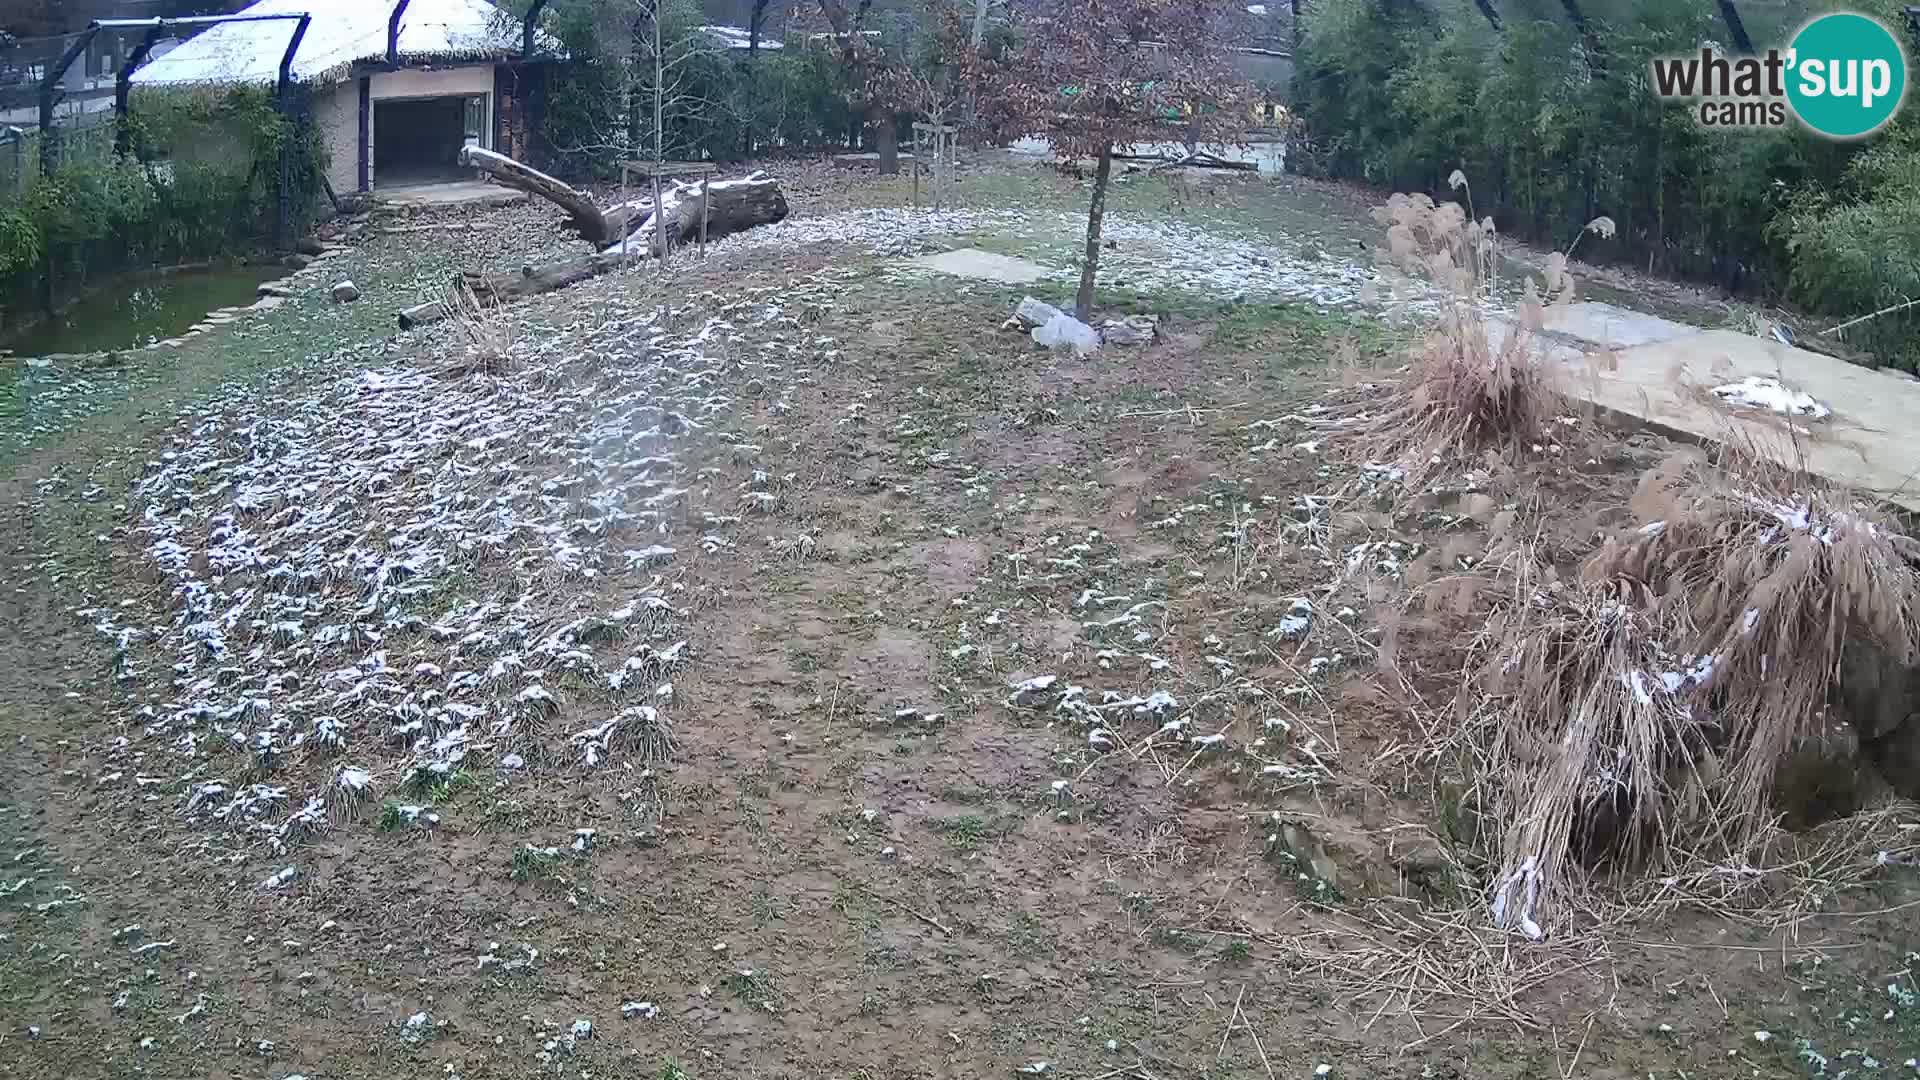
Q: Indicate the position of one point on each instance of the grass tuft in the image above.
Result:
(1649, 707)
(1476, 381)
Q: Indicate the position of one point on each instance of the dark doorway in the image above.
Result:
(418, 140)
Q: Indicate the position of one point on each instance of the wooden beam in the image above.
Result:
(365, 145)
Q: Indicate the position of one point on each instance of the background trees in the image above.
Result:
(645, 82)
(1553, 119)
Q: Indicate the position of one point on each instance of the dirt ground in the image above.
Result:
(998, 744)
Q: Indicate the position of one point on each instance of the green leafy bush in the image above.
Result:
(200, 181)
(1857, 251)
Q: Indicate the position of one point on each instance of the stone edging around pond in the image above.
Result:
(271, 295)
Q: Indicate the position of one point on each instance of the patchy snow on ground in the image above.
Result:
(1768, 393)
(403, 569)
(1146, 255)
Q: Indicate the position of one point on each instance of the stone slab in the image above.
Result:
(983, 265)
(1867, 443)
(451, 193)
(1614, 327)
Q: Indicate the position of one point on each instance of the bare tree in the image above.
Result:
(1096, 76)
(645, 51)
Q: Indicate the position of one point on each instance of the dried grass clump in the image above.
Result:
(1648, 707)
(485, 332)
(1476, 379)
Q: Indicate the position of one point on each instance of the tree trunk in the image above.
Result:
(980, 21)
(754, 22)
(1486, 8)
(590, 221)
(497, 289)
(1096, 213)
(1736, 28)
(887, 140)
(737, 205)
(636, 102)
(659, 91)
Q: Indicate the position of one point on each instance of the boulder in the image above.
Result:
(308, 245)
(1032, 313)
(1066, 332)
(1132, 330)
(298, 261)
(274, 288)
(346, 292)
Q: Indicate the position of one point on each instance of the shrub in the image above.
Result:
(1649, 707)
(1858, 252)
(200, 182)
(1476, 381)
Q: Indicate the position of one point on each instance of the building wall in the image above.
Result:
(336, 113)
(410, 82)
(336, 110)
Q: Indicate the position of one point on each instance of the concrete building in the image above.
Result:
(390, 112)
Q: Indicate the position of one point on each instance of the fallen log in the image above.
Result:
(736, 204)
(728, 206)
(494, 290)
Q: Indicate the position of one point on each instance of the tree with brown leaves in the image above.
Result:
(1099, 76)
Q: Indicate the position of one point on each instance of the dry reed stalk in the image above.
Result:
(485, 331)
(1648, 706)
(1476, 380)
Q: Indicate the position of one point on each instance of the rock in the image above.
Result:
(1032, 313)
(1029, 693)
(1132, 330)
(1298, 620)
(346, 292)
(417, 1027)
(298, 261)
(1427, 872)
(308, 245)
(1066, 332)
(1878, 694)
(1310, 854)
(274, 288)
(1479, 506)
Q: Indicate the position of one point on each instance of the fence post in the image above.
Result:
(49, 140)
(283, 104)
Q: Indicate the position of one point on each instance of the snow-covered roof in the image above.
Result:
(343, 32)
(736, 37)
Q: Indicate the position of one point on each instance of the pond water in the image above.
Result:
(141, 308)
